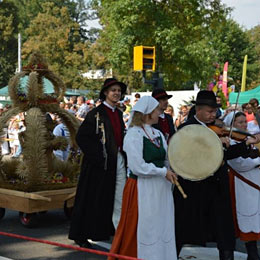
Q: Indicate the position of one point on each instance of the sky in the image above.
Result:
(246, 12)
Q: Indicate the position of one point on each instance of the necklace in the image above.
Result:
(155, 141)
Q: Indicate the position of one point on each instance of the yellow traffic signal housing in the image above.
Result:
(144, 58)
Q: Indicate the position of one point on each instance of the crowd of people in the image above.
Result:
(126, 184)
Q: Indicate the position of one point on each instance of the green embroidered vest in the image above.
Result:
(153, 154)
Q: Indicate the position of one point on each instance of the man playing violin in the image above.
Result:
(206, 215)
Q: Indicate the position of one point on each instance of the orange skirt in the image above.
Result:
(125, 240)
(251, 236)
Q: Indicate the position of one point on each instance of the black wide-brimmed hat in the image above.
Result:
(110, 82)
(160, 93)
(206, 97)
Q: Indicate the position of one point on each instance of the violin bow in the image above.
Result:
(231, 127)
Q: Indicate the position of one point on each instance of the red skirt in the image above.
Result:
(251, 236)
(125, 240)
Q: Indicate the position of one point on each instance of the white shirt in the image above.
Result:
(106, 104)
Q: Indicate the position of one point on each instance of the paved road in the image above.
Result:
(52, 226)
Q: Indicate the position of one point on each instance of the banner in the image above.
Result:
(224, 80)
(243, 85)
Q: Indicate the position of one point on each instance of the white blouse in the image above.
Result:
(133, 146)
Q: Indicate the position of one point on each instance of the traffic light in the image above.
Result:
(144, 58)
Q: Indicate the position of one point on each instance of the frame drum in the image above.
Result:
(195, 152)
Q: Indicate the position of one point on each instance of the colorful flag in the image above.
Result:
(224, 80)
(243, 85)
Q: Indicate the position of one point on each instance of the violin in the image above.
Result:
(237, 134)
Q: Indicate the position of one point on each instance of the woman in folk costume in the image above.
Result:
(246, 199)
(146, 227)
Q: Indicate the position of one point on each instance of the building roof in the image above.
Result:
(48, 88)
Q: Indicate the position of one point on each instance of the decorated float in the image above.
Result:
(38, 181)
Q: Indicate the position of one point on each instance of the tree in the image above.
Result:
(8, 41)
(78, 11)
(254, 36)
(57, 37)
(177, 28)
(231, 43)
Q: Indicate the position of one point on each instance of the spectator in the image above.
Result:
(183, 115)
(62, 130)
(82, 108)
(220, 111)
(244, 109)
(137, 97)
(73, 100)
(68, 107)
(91, 104)
(127, 110)
(74, 108)
(127, 105)
(62, 105)
(254, 103)
(170, 111)
(249, 113)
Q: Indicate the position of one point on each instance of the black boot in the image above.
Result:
(226, 255)
(251, 248)
(84, 244)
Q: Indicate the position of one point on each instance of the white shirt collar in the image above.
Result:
(106, 104)
(162, 115)
(200, 121)
(150, 131)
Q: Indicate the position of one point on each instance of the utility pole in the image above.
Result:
(19, 53)
(156, 81)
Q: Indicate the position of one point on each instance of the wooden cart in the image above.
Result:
(30, 203)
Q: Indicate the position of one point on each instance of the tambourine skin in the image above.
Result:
(195, 152)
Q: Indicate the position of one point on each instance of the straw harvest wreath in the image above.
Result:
(38, 165)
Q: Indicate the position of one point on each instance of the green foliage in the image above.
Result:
(231, 43)
(189, 36)
(223, 99)
(57, 37)
(8, 41)
(21, 14)
(29, 9)
(177, 29)
(254, 36)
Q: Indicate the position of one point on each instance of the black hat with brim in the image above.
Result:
(206, 97)
(110, 82)
(160, 93)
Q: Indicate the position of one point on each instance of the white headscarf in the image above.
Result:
(228, 119)
(145, 105)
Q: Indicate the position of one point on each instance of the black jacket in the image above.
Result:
(171, 125)
(93, 208)
(206, 215)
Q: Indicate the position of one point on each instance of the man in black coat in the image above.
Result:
(165, 123)
(206, 215)
(98, 199)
